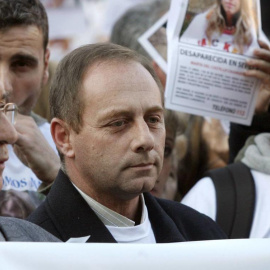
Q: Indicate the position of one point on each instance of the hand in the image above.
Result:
(34, 151)
(262, 72)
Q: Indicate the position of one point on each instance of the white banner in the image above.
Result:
(205, 255)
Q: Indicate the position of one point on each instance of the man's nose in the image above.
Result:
(5, 79)
(8, 133)
(143, 140)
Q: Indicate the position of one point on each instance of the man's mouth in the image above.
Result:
(143, 166)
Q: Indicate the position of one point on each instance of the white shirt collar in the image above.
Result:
(108, 216)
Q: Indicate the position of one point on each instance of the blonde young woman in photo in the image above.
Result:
(229, 25)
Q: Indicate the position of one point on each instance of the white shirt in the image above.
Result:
(202, 197)
(123, 229)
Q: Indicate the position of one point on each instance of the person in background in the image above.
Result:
(134, 22)
(24, 58)
(12, 229)
(42, 107)
(166, 185)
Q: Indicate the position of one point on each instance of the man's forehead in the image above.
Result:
(21, 37)
(114, 74)
(118, 83)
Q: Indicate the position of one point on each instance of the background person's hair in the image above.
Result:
(16, 204)
(135, 21)
(24, 13)
(66, 102)
(244, 23)
(175, 122)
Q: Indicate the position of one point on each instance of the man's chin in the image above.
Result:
(146, 185)
(25, 109)
(138, 187)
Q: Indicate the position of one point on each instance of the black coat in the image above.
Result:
(66, 215)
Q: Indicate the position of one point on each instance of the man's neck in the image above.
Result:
(130, 208)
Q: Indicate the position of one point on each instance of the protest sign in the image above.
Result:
(208, 44)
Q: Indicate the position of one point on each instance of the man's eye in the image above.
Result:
(118, 123)
(153, 120)
(167, 151)
(21, 64)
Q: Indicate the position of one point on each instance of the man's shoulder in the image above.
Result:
(178, 209)
(61, 207)
(45, 219)
(13, 229)
(39, 215)
(192, 224)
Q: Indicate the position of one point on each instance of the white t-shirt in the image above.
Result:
(202, 197)
(121, 228)
(19, 177)
(140, 234)
(195, 34)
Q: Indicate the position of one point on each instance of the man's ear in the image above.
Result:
(46, 67)
(161, 74)
(61, 135)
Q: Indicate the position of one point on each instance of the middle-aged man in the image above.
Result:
(12, 229)
(108, 126)
(24, 60)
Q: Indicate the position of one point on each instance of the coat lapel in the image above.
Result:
(163, 226)
(76, 220)
(79, 220)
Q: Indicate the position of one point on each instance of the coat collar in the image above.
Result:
(163, 225)
(73, 218)
(71, 214)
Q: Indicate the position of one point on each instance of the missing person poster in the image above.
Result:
(208, 44)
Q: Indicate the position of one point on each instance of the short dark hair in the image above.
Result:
(65, 99)
(23, 13)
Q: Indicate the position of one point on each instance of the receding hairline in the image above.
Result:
(115, 62)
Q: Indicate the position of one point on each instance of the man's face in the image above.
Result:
(119, 151)
(23, 66)
(8, 135)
